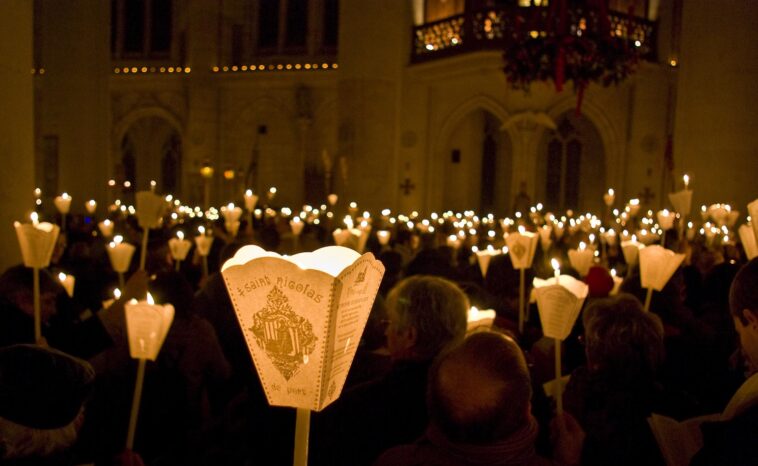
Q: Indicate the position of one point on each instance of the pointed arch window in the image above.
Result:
(564, 159)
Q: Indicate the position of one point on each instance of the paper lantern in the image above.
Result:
(477, 318)
(37, 242)
(63, 203)
(631, 250)
(559, 302)
(747, 237)
(302, 317)
(120, 255)
(150, 209)
(682, 201)
(147, 325)
(657, 265)
(521, 249)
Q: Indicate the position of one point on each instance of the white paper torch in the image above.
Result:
(559, 301)
(747, 237)
(302, 317)
(657, 265)
(581, 259)
(752, 210)
(147, 325)
(37, 242)
(666, 221)
(120, 255)
(179, 247)
(203, 243)
(63, 204)
(521, 249)
(150, 210)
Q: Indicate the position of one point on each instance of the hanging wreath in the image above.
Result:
(568, 41)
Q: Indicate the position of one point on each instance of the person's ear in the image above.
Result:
(412, 335)
(752, 319)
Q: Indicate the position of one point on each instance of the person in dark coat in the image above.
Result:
(615, 392)
(424, 315)
(479, 409)
(732, 439)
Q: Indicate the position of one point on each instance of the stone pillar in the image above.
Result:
(373, 51)
(72, 98)
(16, 123)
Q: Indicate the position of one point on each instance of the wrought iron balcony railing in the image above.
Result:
(494, 28)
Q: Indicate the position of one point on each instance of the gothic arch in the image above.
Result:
(435, 175)
(609, 135)
(122, 126)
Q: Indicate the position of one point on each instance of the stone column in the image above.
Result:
(16, 123)
(373, 51)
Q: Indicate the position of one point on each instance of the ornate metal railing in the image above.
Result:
(494, 28)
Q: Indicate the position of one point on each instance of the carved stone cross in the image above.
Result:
(407, 186)
(646, 196)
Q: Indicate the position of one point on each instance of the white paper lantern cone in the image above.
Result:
(484, 258)
(521, 249)
(297, 225)
(232, 227)
(106, 228)
(231, 213)
(631, 250)
(718, 213)
(68, 282)
(747, 237)
(731, 218)
(147, 326)
(666, 219)
(150, 209)
(250, 200)
(609, 198)
(479, 319)
(63, 203)
(37, 242)
(682, 201)
(179, 248)
(545, 241)
(610, 237)
(383, 236)
(559, 228)
(559, 303)
(657, 265)
(90, 206)
(752, 210)
(581, 260)
(203, 244)
(120, 255)
(302, 317)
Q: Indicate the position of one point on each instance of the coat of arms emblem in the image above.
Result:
(286, 337)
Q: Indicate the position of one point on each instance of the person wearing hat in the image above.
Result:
(42, 396)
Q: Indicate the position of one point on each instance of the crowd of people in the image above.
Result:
(420, 391)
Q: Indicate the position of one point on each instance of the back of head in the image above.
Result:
(743, 294)
(622, 340)
(435, 307)
(479, 390)
(42, 392)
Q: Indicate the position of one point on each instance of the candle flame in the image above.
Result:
(117, 293)
(62, 277)
(150, 299)
(35, 218)
(180, 235)
(556, 265)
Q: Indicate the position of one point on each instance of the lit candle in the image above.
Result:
(68, 283)
(180, 235)
(686, 179)
(557, 269)
(90, 205)
(35, 218)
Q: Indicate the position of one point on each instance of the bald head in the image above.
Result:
(479, 391)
